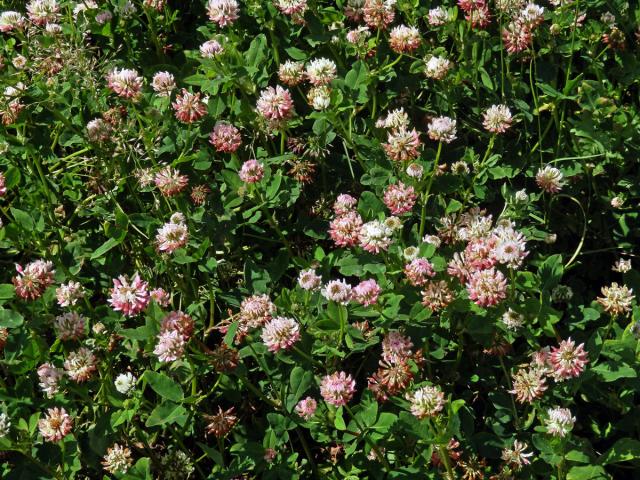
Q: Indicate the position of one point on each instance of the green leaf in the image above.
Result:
(299, 382)
(623, 450)
(164, 386)
(167, 412)
(140, 471)
(256, 55)
(550, 272)
(7, 291)
(611, 371)
(231, 333)
(590, 472)
(357, 76)
(10, 319)
(23, 219)
(339, 420)
(108, 245)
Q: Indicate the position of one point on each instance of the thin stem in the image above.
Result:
(584, 227)
(370, 442)
(516, 419)
(425, 195)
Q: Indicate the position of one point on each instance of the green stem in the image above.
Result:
(516, 419)
(368, 441)
(425, 195)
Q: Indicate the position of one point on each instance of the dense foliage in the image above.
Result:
(307, 239)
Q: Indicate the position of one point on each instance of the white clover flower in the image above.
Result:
(125, 383)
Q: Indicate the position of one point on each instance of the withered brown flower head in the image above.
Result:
(224, 358)
(221, 423)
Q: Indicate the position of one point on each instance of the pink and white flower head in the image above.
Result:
(404, 39)
(99, 131)
(516, 37)
(55, 425)
(512, 320)
(256, 310)
(70, 326)
(281, 333)
(117, 460)
(540, 359)
(375, 236)
(479, 16)
(306, 408)
(529, 384)
(437, 67)
(516, 457)
(291, 73)
(622, 265)
(189, 107)
(104, 17)
(295, 8)
(479, 254)
(345, 203)
(251, 171)
(487, 287)
(396, 348)
(309, 280)
(33, 280)
(319, 98)
(211, 49)
(366, 292)
(170, 181)
(395, 119)
(402, 145)
(438, 16)
(427, 401)
(41, 12)
(163, 83)
(129, 296)
(344, 230)
(358, 36)
(275, 104)
(437, 295)
(80, 365)
(338, 388)
(172, 236)
(225, 137)
(415, 170)
(126, 83)
(223, 12)
(338, 291)
(549, 179)
(568, 360)
(10, 20)
(510, 247)
(432, 240)
(559, 421)
(170, 346)
(68, 294)
(442, 129)
(49, 378)
(353, 10)
(160, 296)
(616, 299)
(180, 322)
(399, 198)
(320, 71)
(378, 14)
(418, 271)
(157, 5)
(531, 15)
(497, 119)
